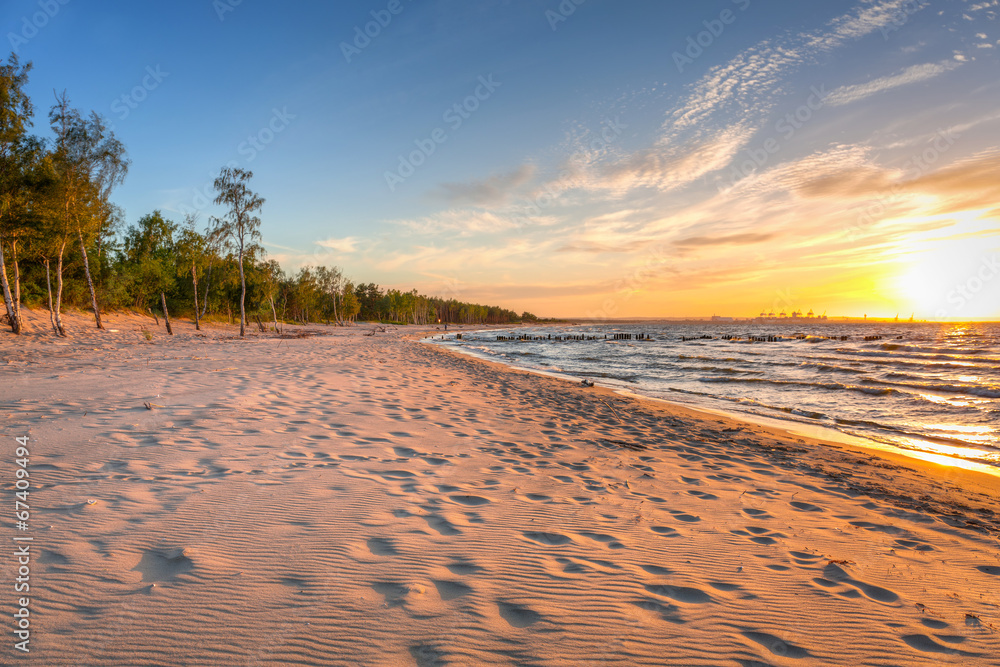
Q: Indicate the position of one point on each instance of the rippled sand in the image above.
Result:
(343, 499)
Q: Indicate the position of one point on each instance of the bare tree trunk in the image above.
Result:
(12, 315)
(48, 284)
(155, 318)
(60, 329)
(17, 282)
(90, 282)
(208, 281)
(274, 314)
(243, 296)
(194, 277)
(166, 315)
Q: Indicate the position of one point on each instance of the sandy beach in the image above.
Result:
(337, 498)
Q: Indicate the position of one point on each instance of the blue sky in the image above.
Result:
(605, 158)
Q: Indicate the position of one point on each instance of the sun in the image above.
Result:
(952, 279)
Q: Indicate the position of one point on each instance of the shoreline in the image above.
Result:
(981, 474)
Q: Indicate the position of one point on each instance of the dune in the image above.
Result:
(347, 499)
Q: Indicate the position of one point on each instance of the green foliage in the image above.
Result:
(55, 204)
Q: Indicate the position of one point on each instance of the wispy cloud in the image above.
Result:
(748, 238)
(914, 74)
(345, 245)
(462, 222)
(496, 189)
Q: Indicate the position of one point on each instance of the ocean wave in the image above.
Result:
(829, 368)
(725, 370)
(969, 390)
(832, 386)
(892, 347)
(917, 356)
(885, 387)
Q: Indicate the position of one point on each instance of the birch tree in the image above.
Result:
(240, 227)
(90, 162)
(15, 118)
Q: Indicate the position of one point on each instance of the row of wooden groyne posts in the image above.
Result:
(777, 339)
(647, 337)
(617, 336)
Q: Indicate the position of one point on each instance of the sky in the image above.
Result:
(572, 158)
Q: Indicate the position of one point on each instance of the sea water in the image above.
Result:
(933, 388)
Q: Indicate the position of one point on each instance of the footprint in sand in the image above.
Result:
(382, 546)
(53, 558)
(684, 594)
(470, 501)
(776, 645)
(806, 507)
(548, 539)
(449, 590)
(396, 474)
(666, 612)
(394, 593)
(804, 558)
(728, 588)
(435, 461)
(429, 656)
(441, 525)
(761, 535)
(405, 452)
(989, 569)
(834, 574)
(463, 568)
(916, 545)
(666, 531)
(928, 645)
(703, 495)
(518, 616)
(610, 541)
(164, 565)
(760, 514)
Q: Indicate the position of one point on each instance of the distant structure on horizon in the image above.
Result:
(796, 316)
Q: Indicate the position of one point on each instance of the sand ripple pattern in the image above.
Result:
(352, 500)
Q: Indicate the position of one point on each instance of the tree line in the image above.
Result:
(63, 242)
